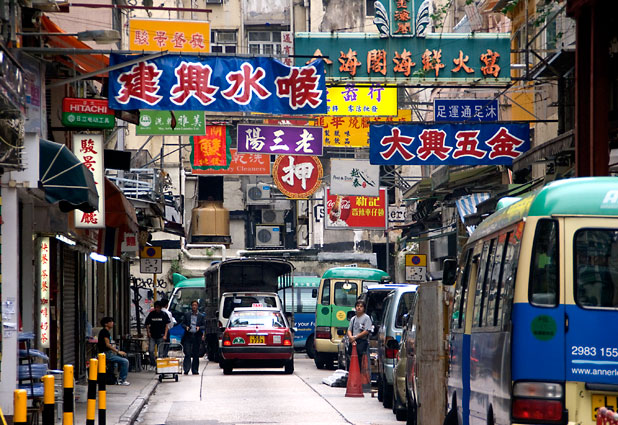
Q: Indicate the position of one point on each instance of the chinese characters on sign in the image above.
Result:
(88, 148)
(366, 101)
(44, 279)
(242, 164)
(477, 110)
(354, 177)
(297, 177)
(439, 144)
(211, 149)
(181, 83)
(354, 131)
(87, 113)
(160, 122)
(279, 140)
(287, 47)
(438, 57)
(171, 35)
(355, 211)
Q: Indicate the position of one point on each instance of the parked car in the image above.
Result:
(396, 305)
(374, 300)
(257, 337)
(408, 355)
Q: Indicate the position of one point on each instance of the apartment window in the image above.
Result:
(264, 42)
(223, 41)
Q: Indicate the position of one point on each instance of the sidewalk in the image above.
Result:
(123, 403)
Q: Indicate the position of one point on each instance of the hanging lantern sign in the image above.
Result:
(298, 177)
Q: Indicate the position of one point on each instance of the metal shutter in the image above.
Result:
(69, 307)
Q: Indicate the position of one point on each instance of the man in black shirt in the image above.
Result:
(156, 327)
(112, 354)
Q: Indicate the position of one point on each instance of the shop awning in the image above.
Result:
(82, 63)
(65, 179)
(119, 212)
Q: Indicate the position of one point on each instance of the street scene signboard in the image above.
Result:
(297, 177)
(187, 123)
(467, 110)
(87, 113)
(353, 100)
(452, 144)
(242, 164)
(212, 149)
(416, 267)
(88, 148)
(480, 57)
(354, 177)
(171, 35)
(190, 83)
(279, 140)
(355, 211)
(151, 259)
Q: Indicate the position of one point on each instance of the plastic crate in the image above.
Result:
(168, 365)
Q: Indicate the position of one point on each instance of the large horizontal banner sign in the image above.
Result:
(357, 57)
(172, 35)
(362, 101)
(220, 84)
(450, 144)
(280, 140)
(476, 110)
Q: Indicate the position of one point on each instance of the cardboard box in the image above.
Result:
(168, 365)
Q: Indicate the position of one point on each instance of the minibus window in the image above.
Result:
(481, 285)
(596, 268)
(508, 277)
(459, 311)
(494, 282)
(325, 299)
(544, 265)
(346, 293)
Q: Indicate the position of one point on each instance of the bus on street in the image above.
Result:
(302, 304)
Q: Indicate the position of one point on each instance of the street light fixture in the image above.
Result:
(98, 36)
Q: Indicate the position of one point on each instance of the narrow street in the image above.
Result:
(260, 396)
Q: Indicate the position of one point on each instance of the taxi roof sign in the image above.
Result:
(151, 252)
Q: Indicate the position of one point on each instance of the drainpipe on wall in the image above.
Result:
(243, 252)
(185, 251)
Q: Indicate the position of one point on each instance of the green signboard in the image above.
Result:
(480, 58)
(78, 119)
(189, 123)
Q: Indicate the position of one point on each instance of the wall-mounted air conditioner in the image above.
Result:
(273, 217)
(267, 236)
(258, 194)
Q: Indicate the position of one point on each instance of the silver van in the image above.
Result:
(397, 304)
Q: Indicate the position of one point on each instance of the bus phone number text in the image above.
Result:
(578, 350)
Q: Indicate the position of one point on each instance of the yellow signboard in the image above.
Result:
(362, 101)
(151, 252)
(171, 35)
(416, 260)
(354, 131)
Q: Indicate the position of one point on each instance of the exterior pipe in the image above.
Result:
(243, 252)
(185, 251)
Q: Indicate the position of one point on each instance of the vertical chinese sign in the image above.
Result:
(44, 279)
(170, 35)
(88, 148)
(287, 47)
(211, 150)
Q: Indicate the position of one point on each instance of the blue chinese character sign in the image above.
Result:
(220, 84)
(466, 110)
(280, 140)
(448, 144)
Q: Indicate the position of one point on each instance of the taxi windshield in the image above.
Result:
(266, 319)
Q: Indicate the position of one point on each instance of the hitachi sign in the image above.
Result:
(85, 106)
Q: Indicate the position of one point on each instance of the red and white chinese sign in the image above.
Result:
(355, 211)
(287, 47)
(170, 35)
(88, 148)
(44, 291)
(297, 177)
(242, 164)
(210, 150)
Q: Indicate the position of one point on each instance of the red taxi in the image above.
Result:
(257, 337)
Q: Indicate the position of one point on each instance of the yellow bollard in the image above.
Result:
(68, 399)
(20, 404)
(48, 400)
(102, 392)
(92, 392)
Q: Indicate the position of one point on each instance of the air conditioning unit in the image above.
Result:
(273, 217)
(258, 194)
(267, 236)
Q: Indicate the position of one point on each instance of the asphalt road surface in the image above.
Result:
(260, 396)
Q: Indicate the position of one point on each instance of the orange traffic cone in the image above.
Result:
(355, 386)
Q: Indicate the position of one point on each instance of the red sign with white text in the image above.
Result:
(86, 106)
(242, 164)
(356, 211)
(297, 177)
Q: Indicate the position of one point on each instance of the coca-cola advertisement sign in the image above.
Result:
(363, 212)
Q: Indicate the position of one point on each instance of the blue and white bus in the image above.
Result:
(303, 305)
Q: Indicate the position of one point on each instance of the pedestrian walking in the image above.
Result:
(358, 332)
(193, 323)
(156, 327)
(170, 325)
(113, 356)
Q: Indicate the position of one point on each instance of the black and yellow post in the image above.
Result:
(48, 399)
(92, 391)
(68, 400)
(102, 392)
(20, 405)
